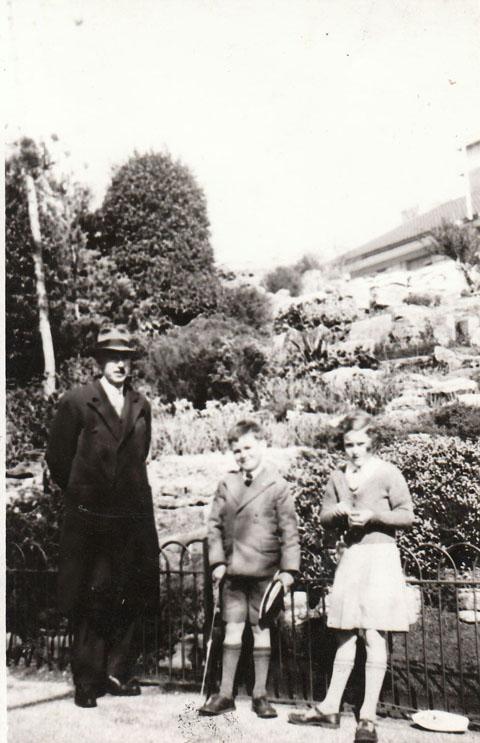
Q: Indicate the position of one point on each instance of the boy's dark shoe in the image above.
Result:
(85, 696)
(366, 732)
(217, 705)
(315, 717)
(262, 708)
(120, 689)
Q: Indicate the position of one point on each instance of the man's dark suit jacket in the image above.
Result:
(98, 459)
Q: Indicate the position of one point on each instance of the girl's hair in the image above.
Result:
(359, 421)
(242, 428)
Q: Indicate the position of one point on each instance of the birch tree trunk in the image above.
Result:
(42, 299)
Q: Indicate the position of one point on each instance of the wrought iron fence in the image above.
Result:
(435, 665)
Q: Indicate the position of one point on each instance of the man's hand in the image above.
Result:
(286, 580)
(217, 574)
(360, 518)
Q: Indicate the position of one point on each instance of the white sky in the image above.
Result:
(309, 123)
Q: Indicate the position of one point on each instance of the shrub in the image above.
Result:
(283, 277)
(153, 224)
(33, 523)
(443, 474)
(246, 304)
(424, 300)
(332, 313)
(28, 414)
(458, 420)
(210, 359)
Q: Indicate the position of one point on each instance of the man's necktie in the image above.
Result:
(248, 479)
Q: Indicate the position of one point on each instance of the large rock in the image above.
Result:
(407, 406)
(390, 295)
(313, 281)
(443, 278)
(358, 290)
(472, 399)
(409, 324)
(443, 327)
(374, 329)
(340, 378)
(448, 357)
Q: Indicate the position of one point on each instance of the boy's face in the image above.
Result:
(248, 452)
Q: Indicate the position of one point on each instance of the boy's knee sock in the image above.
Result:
(231, 655)
(374, 675)
(261, 662)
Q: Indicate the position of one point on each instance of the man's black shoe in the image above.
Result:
(262, 707)
(217, 705)
(85, 696)
(120, 689)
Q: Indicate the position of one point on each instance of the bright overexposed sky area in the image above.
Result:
(310, 124)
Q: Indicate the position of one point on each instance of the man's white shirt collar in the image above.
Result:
(114, 394)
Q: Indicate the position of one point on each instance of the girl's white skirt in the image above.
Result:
(369, 590)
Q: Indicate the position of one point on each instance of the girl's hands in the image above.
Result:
(360, 517)
(343, 508)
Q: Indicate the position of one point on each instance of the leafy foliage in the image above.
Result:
(209, 359)
(246, 304)
(62, 207)
(153, 225)
(283, 277)
(458, 420)
(461, 243)
(443, 474)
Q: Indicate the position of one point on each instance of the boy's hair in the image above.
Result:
(243, 427)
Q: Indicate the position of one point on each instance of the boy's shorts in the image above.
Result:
(241, 598)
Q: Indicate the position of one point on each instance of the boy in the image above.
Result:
(252, 533)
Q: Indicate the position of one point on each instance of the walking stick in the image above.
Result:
(210, 638)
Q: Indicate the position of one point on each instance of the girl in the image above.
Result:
(370, 499)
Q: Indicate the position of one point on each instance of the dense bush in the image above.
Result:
(332, 313)
(246, 304)
(460, 420)
(210, 359)
(423, 300)
(284, 277)
(153, 224)
(62, 206)
(29, 414)
(443, 474)
(33, 523)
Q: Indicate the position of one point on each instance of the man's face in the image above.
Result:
(248, 452)
(115, 366)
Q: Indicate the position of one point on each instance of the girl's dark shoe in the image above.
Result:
(315, 717)
(216, 705)
(366, 732)
(262, 708)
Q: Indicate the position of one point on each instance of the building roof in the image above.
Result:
(450, 211)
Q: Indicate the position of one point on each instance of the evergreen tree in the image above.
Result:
(154, 226)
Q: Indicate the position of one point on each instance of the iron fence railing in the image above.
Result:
(435, 665)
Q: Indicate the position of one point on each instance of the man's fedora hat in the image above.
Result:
(114, 338)
(272, 603)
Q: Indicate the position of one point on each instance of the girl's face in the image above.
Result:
(358, 446)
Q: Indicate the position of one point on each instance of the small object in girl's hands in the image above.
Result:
(441, 721)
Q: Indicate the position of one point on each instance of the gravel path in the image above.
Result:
(42, 711)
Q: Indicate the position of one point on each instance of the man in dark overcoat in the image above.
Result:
(108, 567)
